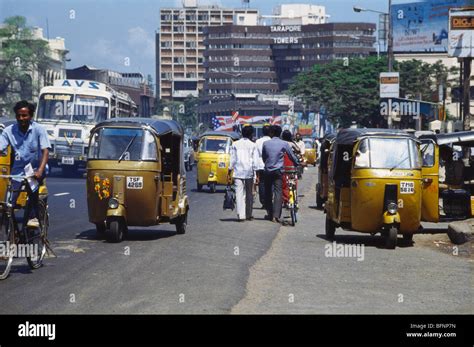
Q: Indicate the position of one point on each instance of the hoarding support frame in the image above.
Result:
(467, 93)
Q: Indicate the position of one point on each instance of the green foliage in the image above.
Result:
(21, 54)
(184, 112)
(351, 93)
(420, 80)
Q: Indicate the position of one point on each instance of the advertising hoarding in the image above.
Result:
(423, 26)
(461, 33)
(389, 84)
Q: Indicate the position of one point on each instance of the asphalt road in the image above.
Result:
(222, 266)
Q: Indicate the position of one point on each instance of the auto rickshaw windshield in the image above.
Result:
(388, 153)
(308, 144)
(215, 145)
(123, 144)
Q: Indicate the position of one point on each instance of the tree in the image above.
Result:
(349, 93)
(23, 58)
(420, 80)
(184, 112)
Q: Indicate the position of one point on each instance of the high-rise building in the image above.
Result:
(299, 14)
(243, 62)
(265, 59)
(180, 47)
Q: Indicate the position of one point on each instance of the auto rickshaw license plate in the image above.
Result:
(407, 187)
(134, 182)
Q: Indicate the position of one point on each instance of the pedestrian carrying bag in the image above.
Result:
(229, 198)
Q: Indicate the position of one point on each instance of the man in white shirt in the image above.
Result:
(261, 164)
(244, 162)
(299, 141)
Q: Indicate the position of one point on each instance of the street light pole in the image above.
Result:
(389, 36)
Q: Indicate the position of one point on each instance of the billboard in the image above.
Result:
(423, 26)
(461, 33)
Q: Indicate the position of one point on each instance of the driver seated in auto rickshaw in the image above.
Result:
(452, 170)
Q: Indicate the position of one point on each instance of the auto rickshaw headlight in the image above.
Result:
(113, 203)
(392, 208)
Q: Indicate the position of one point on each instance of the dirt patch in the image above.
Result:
(441, 243)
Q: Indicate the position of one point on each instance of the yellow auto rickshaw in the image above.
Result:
(214, 158)
(136, 176)
(448, 176)
(310, 154)
(322, 185)
(375, 184)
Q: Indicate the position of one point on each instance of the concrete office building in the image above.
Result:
(180, 47)
(243, 62)
(298, 14)
(265, 59)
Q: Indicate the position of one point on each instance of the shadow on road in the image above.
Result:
(132, 235)
(204, 190)
(433, 231)
(367, 240)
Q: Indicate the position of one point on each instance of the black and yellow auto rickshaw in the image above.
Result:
(213, 158)
(448, 176)
(375, 184)
(310, 152)
(322, 185)
(136, 176)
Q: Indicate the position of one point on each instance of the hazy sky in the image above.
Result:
(103, 33)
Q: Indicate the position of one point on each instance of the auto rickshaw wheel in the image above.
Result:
(212, 187)
(330, 228)
(181, 224)
(116, 230)
(199, 187)
(391, 237)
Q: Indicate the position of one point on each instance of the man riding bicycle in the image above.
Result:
(30, 145)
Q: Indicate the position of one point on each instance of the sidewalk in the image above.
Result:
(296, 276)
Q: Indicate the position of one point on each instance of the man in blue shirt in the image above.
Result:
(273, 152)
(30, 145)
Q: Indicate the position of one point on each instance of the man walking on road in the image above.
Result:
(273, 153)
(261, 164)
(244, 162)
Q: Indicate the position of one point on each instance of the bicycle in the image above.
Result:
(291, 177)
(31, 240)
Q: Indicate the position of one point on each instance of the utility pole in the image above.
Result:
(467, 93)
(390, 37)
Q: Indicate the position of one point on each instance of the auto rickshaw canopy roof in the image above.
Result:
(161, 127)
(232, 134)
(461, 138)
(349, 136)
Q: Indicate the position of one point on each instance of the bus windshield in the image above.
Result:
(64, 107)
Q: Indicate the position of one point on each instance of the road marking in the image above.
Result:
(61, 194)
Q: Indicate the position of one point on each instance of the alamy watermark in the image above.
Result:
(335, 250)
(22, 250)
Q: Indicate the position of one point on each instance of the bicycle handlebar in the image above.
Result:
(23, 177)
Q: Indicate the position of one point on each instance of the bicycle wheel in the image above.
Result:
(6, 241)
(36, 238)
(293, 216)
